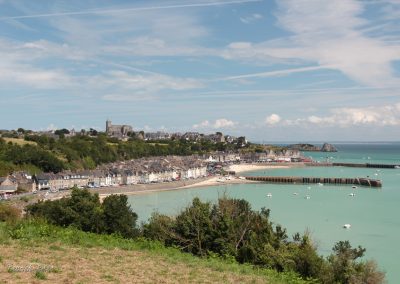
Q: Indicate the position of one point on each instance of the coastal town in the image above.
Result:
(141, 171)
(147, 170)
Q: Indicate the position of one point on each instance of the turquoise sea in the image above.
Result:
(373, 213)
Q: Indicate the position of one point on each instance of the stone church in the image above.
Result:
(118, 131)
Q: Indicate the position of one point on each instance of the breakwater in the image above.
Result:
(354, 165)
(319, 180)
(367, 165)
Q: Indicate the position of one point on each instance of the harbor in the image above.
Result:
(317, 180)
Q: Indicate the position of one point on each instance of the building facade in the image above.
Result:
(118, 131)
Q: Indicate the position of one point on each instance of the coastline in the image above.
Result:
(135, 189)
(197, 183)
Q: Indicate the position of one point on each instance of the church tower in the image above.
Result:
(108, 126)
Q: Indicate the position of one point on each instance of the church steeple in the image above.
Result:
(108, 125)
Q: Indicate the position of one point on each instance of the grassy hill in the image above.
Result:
(19, 141)
(67, 255)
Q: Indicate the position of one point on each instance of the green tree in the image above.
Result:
(118, 216)
(346, 269)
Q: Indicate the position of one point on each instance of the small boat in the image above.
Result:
(397, 167)
(352, 194)
(320, 184)
(269, 195)
(354, 187)
(295, 193)
(346, 226)
(309, 187)
(307, 197)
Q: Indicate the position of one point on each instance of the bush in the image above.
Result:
(84, 211)
(9, 213)
(231, 229)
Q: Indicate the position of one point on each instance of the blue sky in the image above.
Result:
(290, 70)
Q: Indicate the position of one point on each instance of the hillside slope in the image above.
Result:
(72, 256)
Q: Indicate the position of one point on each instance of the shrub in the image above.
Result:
(84, 211)
(9, 213)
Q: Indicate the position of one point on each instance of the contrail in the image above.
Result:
(274, 73)
(113, 11)
(123, 66)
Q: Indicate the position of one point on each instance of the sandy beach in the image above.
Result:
(203, 182)
(242, 168)
(176, 185)
(151, 188)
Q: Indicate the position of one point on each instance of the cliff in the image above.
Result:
(326, 147)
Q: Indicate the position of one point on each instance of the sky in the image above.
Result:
(287, 70)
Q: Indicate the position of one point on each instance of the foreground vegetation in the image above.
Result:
(69, 255)
(229, 229)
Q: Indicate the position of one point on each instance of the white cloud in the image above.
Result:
(349, 117)
(223, 123)
(346, 117)
(17, 67)
(202, 124)
(217, 124)
(148, 33)
(327, 33)
(251, 18)
(140, 86)
(272, 119)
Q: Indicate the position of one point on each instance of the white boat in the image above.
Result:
(269, 195)
(397, 167)
(307, 197)
(295, 193)
(346, 226)
(352, 194)
(320, 184)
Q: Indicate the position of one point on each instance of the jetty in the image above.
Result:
(354, 165)
(318, 180)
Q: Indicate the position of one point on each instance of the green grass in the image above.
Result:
(31, 232)
(19, 141)
(40, 275)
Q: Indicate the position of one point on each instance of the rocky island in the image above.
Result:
(326, 147)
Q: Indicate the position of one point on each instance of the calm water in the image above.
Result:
(373, 213)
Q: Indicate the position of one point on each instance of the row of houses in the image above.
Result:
(140, 171)
(286, 155)
(17, 181)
